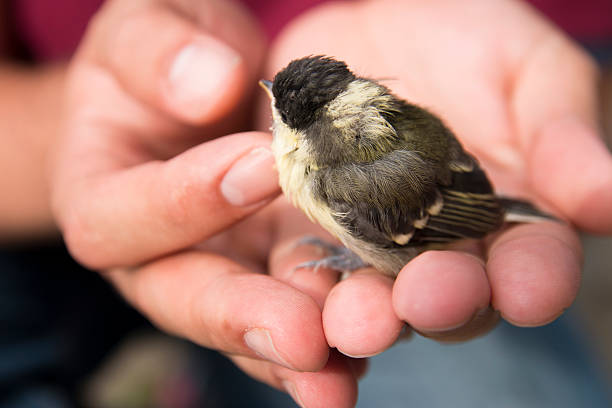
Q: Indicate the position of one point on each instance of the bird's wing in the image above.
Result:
(399, 200)
(468, 208)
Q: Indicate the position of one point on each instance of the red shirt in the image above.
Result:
(52, 29)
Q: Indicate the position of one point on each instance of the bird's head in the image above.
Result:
(304, 87)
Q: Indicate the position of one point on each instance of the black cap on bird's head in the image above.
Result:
(306, 85)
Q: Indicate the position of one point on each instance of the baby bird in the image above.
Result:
(386, 177)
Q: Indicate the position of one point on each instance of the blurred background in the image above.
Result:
(594, 303)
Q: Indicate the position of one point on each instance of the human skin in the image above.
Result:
(522, 98)
(149, 170)
(25, 212)
(145, 189)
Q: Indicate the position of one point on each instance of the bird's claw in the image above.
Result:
(341, 259)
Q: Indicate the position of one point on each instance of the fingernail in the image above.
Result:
(367, 355)
(539, 323)
(199, 75)
(251, 179)
(481, 322)
(260, 341)
(475, 316)
(290, 388)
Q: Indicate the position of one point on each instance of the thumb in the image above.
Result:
(555, 105)
(195, 63)
(133, 215)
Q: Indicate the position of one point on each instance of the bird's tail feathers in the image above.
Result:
(523, 211)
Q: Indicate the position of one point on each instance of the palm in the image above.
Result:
(491, 71)
(474, 73)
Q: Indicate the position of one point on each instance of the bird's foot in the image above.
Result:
(340, 259)
(330, 249)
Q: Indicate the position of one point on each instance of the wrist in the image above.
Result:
(31, 105)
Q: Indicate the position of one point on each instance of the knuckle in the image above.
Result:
(82, 241)
(215, 324)
(179, 205)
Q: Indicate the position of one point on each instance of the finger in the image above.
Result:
(247, 243)
(344, 308)
(534, 272)
(481, 323)
(555, 106)
(444, 295)
(196, 69)
(218, 304)
(358, 316)
(291, 227)
(334, 385)
(166, 206)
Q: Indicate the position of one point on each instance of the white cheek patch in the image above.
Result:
(360, 107)
(292, 160)
(286, 140)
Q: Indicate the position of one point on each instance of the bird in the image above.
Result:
(386, 177)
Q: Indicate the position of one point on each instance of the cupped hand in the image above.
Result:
(522, 98)
(144, 175)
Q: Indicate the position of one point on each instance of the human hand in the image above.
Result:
(132, 104)
(521, 97)
(136, 191)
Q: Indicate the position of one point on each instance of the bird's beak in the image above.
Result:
(267, 86)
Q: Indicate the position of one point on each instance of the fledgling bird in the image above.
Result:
(386, 177)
